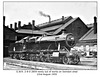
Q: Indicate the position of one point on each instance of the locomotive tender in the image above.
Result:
(46, 49)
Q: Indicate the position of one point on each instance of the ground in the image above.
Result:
(85, 64)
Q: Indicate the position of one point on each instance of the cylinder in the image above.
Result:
(19, 24)
(11, 26)
(15, 25)
(4, 20)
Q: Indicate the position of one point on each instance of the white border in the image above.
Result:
(12, 73)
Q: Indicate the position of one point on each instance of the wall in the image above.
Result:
(8, 38)
(78, 28)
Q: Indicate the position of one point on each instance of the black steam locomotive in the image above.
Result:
(55, 48)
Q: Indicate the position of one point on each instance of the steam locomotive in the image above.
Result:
(56, 48)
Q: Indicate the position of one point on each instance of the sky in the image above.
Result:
(28, 11)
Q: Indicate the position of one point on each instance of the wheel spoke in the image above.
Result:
(65, 60)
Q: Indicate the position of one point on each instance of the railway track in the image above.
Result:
(33, 65)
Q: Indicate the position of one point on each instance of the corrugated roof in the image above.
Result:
(32, 32)
(65, 25)
(51, 28)
(89, 35)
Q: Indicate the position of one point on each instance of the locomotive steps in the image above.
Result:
(46, 66)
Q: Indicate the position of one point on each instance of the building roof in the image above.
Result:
(26, 26)
(89, 35)
(54, 22)
(26, 31)
(90, 25)
(51, 28)
(46, 28)
(29, 26)
(65, 25)
(7, 28)
(55, 28)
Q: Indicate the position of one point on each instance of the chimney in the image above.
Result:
(95, 25)
(62, 18)
(15, 25)
(33, 24)
(29, 23)
(4, 20)
(11, 26)
(19, 24)
(49, 18)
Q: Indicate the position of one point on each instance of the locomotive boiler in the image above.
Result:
(56, 48)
